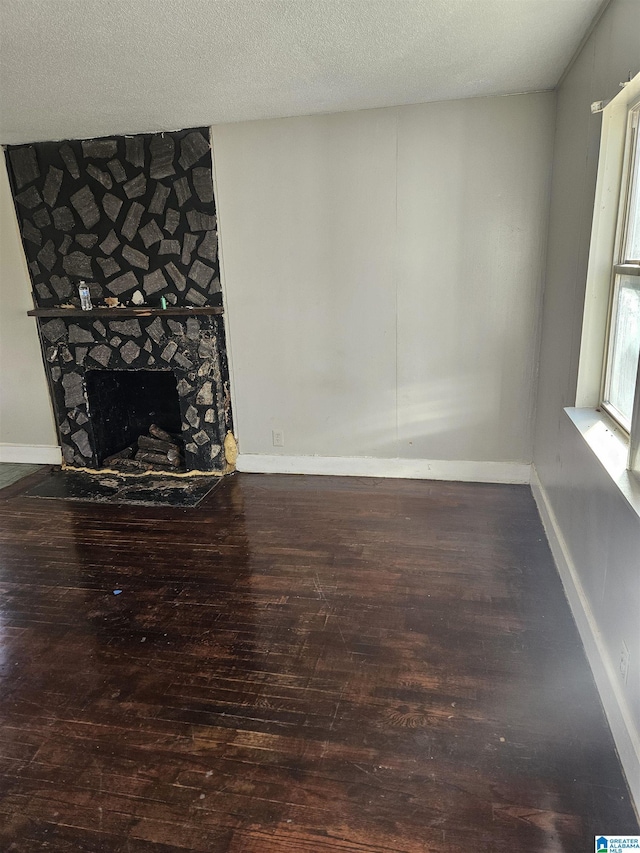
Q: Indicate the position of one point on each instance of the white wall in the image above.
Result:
(383, 274)
(27, 432)
(597, 535)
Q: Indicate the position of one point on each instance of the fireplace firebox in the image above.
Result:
(124, 404)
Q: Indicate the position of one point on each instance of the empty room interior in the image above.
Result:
(319, 426)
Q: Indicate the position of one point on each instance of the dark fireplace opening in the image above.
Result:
(125, 404)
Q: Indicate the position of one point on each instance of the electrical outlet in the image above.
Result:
(624, 662)
(277, 436)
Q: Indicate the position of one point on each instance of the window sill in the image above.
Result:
(611, 447)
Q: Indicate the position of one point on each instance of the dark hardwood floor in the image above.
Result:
(298, 665)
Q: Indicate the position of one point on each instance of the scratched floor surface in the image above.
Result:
(297, 665)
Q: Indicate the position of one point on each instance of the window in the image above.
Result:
(623, 349)
(608, 376)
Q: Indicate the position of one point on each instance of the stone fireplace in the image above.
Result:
(135, 218)
(187, 348)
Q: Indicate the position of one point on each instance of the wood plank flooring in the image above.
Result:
(298, 665)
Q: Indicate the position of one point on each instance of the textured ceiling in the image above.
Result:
(80, 68)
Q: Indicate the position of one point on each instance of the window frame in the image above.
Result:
(622, 265)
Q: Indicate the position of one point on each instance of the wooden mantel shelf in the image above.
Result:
(114, 313)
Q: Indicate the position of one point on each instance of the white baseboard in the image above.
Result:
(365, 466)
(625, 735)
(34, 454)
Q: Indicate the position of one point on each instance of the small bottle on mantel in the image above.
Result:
(85, 296)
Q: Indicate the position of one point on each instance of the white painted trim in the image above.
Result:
(35, 454)
(226, 301)
(627, 739)
(365, 466)
(610, 446)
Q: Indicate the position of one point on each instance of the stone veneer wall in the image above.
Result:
(126, 214)
(192, 348)
(135, 217)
